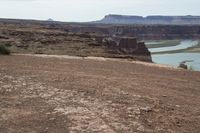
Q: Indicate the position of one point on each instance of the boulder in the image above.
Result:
(183, 66)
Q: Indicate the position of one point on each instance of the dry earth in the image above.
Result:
(60, 95)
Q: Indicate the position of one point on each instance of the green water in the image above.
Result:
(176, 58)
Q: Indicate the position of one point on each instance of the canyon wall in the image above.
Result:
(143, 32)
(88, 39)
(140, 31)
(52, 38)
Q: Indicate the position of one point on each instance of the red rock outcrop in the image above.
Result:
(129, 47)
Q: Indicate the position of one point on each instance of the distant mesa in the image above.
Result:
(167, 20)
(50, 19)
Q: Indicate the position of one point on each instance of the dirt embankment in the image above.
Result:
(86, 95)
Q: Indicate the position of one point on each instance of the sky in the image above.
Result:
(91, 10)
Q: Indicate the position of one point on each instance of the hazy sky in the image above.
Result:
(88, 10)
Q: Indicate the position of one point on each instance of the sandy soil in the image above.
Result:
(61, 95)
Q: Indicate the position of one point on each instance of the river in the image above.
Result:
(176, 58)
(183, 45)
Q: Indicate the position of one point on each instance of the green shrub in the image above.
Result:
(4, 50)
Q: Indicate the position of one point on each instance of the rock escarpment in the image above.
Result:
(146, 32)
(129, 47)
(169, 20)
(140, 31)
(38, 39)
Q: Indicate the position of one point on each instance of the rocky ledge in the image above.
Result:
(34, 38)
(128, 46)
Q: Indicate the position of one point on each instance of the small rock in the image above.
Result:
(52, 119)
(179, 125)
(141, 128)
(183, 66)
(6, 86)
(146, 109)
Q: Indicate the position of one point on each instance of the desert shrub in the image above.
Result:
(4, 50)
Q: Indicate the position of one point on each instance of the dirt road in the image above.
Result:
(59, 95)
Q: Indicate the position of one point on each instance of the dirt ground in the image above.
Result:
(60, 95)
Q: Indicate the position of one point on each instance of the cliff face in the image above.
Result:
(86, 39)
(170, 20)
(142, 31)
(157, 31)
(132, 47)
(127, 46)
(43, 39)
(152, 32)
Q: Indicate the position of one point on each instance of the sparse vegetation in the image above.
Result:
(4, 50)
